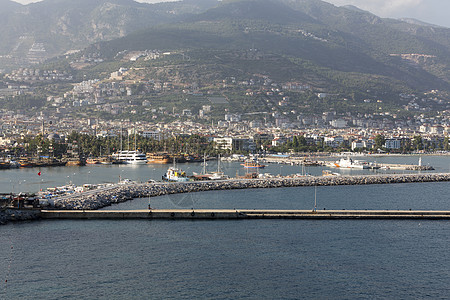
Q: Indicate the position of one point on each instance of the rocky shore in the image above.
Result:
(122, 193)
(7, 215)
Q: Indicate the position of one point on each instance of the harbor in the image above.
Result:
(107, 195)
(92, 187)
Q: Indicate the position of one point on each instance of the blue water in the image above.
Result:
(246, 259)
(260, 259)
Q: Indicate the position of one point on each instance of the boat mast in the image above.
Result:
(121, 129)
(218, 163)
(315, 197)
(128, 140)
(204, 163)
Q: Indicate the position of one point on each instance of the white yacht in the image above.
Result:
(132, 157)
(351, 164)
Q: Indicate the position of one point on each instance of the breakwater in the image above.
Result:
(7, 215)
(234, 214)
(120, 193)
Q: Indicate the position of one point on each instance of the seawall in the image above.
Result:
(120, 193)
(8, 215)
(232, 214)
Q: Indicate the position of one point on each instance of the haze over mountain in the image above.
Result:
(297, 36)
(62, 25)
(338, 38)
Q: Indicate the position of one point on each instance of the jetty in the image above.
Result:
(96, 199)
(238, 214)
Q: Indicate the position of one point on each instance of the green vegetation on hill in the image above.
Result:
(348, 53)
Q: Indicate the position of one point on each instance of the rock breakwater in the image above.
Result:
(7, 215)
(122, 193)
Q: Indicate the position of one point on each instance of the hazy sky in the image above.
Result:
(431, 11)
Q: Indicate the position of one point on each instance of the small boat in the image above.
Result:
(26, 163)
(5, 165)
(329, 173)
(175, 175)
(92, 161)
(253, 164)
(106, 160)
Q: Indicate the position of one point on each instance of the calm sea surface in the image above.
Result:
(250, 259)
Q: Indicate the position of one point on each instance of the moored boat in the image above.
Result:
(351, 164)
(75, 162)
(253, 165)
(132, 157)
(175, 175)
(158, 158)
(92, 161)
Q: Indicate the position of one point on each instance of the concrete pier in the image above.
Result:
(233, 214)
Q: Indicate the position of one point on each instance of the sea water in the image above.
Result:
(249, 259)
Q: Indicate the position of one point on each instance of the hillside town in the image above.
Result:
(274, 116)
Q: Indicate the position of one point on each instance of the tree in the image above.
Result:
(446, 143)
(418, 142)
(379, 141)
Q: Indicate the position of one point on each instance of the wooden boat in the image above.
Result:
(75, 162)
(26, 163)
(158, 158)
(253, 164)
(92, 161)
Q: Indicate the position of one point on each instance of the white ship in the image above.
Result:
(134, 157)
(352, 164)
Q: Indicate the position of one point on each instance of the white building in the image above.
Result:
(392, 144)
(338, 123)
(156, 135)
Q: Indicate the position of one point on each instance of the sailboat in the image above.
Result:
(218, 175)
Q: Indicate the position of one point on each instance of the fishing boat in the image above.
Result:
(175, 175)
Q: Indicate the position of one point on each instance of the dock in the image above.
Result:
(242, 214)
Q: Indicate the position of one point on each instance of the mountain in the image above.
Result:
(298, 40)
(7, 6)
(346, 44)
(61, 25)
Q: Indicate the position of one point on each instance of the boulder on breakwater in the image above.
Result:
(7, 215)
(122, 193)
